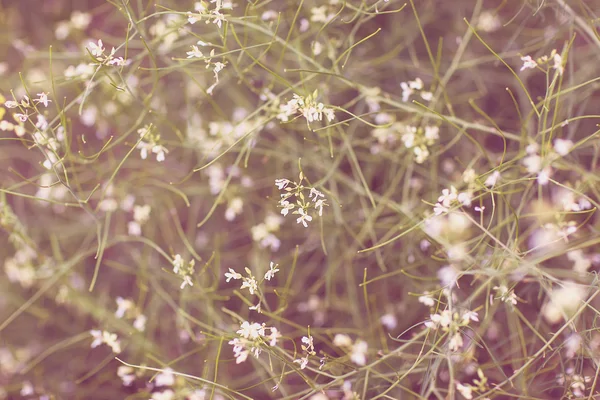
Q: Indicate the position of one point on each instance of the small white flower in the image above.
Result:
(558, 63)
(165, 378)
(97, 50)
(177, 263)
(426, 299)
(492, 179)
(465, 391)
(562, 146)
(303, 218)
(195, 52)
(272, 270)
(448, 196)
(389, 321)
(342, 340)
(140, 323)
(251, 331)
(464, 198)
(273, 337)
(470, 316)
(21, 117)
(126, 374)
(43, 98)
(456, 342)
(250, 283)
(164, 395)
(232, 275)
(123, 305)
(528, 62)
(281, 183)
(141, 214)
(234, 208)
(302, 361)
(359, 353)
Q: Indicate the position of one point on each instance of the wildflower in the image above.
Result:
(465, 390)
(431, 134)
(165, 378)
(389, 321)
(104, 337)
(126, 374)
(528, 62)
(303, 217)
(562, 146)
(184, 270)
(302, 361)
(21, 117)
(141, 214)
(164, 395)
(557, 62)
(118, 61)
(234, 208)
(272, 270)
(43, 98)
(488, 22)
(232, 275)
(358, 354)
(11, 104)
(123, 305)
(492, 179)
(80, 20)
(456, 342)
(140, 322)
(249, 283)
(426, 299)
(448, 196)
(282, 183)
(251, 331)
(97, 50)
(507, 296)
(563, 302)
(342, 340)
(194, 53)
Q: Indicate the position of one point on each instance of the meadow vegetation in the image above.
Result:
(299, 199)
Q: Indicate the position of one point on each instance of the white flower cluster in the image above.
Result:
(252, 338)
(308, 347)
(505, 294)
(557, 62)
(184, 270)
(449, 198)
(564, 301)
(149, 142)
(479, 385)
(126, 308)
(357, 349)
(105, 337)
(49, 140)
(217, 67)
(215, 15)
(78, 21)
(416, 86)
(97, 50)
(419, 139)
(215, 136)
(251, 283)
(452, 323)
(264, 233)
(575, 382)
(307, 106)
(302, 205)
